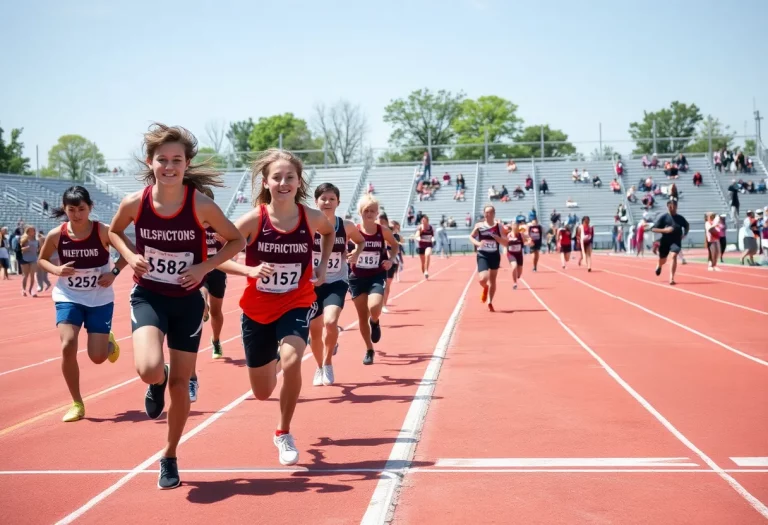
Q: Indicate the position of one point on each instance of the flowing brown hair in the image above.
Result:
(261, 169)
(201, 176)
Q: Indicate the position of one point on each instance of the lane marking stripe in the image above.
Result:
(564, 462)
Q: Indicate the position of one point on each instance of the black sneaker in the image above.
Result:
(658, 270)
(375, 331)
(154, 400)
(368, 360)
(169, 474)
(218, 353)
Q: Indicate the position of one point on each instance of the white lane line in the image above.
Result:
(751, 462)
(681, 290)
(667, 319)
(143, 466)
(744, 493)
(563, 462)
(383, 500)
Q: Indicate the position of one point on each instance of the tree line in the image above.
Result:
(456, 126)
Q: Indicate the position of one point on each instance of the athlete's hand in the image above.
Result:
(138, 264)
(65, 270)
(668, 229)
(106, 279)
(262, 270)
(319, 276)
(387, 264)
(192, 276)
(353, 257)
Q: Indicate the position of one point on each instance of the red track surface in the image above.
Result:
(514, 384)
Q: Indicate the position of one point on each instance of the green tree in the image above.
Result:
(555, 143)
(296, 137)
(238, 135)
(422, 112)
(216, 160)
(679, 120)
(73, 156)
(722, 137)
(750, 147)
(493, 114)
(11, 154)
(607, 153)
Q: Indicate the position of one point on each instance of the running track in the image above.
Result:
(586, 398)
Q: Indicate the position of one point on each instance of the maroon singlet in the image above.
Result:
(169, 244)
(374, 253)
(84, 253)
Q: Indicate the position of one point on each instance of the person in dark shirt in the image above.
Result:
(673, 228)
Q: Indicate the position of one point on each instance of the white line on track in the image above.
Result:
(667, 319)
(743, 492)
(681, 290)
(383, 500)
(751, 462)
(563, 462)
(143, 466)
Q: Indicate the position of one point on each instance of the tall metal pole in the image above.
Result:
(37, 157)
(429, 143)
(655, 150)
(486, 145)
(280, 142)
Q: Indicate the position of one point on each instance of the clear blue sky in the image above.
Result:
(106, 70)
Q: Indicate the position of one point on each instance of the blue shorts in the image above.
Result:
(96, 319)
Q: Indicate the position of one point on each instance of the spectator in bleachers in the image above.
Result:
(460, 184)
(411, 217)
(528, 182)
(761, 186)
(698, 180)
(646, 162)
(740, 164)
(575, 175)
(532, 214)
(570, 203)
(585, 175)
(733, 189)
(596, 182)
(511, 166)
(682, 163)
(447, 178)
(619, 167)
(468, 220)
(504, 194)
(427, 166)
(518, 193)
(371, 189)
(648, 201)
(459, 195)
(5, 254)
(554, 218)
(418, 217)
(631, 197)
(435, 182)
(670, 170)
(716, 161)
(615, 186)
(493, 194)
(654, 162)
(543, 186)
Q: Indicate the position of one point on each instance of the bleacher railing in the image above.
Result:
(352, 206)
(476, 191)
(233, 201)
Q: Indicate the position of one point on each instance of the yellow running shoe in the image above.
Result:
(75, 413)
(115, 353)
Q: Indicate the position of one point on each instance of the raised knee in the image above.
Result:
(178, 385)
(150, 375)
(330, 324)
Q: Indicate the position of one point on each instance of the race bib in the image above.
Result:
(587, 237)
(535, 235)
(488, 246)
(426, 238)
(368, 260)
(82, 279)
(515, 248)
(334, 262)
(165, 267)
(284, 278)
(212, 251)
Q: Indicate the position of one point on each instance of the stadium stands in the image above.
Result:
(392, 186)
(747, 201)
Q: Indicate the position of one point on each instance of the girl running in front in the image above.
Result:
(563, 241)
(367, 281)
(278, 302)
(425, 236)
(585, 239)
(536, 236)
(170, 262)
(392, 272)
(486, 236)
(213, 291)
(514, 243)
(83, 294)
(331, 294)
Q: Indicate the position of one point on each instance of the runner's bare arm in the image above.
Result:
(319, 223)
(104, 236)
(49, 246)
(472, 239)
(209, 212)
(248, 225)
(126, 214)
(389, 237)
(354, 235)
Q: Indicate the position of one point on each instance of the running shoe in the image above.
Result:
(484, 295)
(318, 379)
(288, 454)
(658, 270)
(75, 413)
(169, 474)
(375, 331)
(115, 353)
(368, 359)
(194, 386)
(154, 399)
(491, 308)
(218, 353)
(327, 376)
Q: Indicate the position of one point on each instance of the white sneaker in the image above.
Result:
(328, 375)
(193, 387)
(287, 452)
(318, 379)
(384, 310)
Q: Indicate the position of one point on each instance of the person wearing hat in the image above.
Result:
(673, 228)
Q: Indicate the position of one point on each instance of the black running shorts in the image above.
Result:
(216, 283)
(488, 261)
(261, 341)
(367, 285)
(179, 318)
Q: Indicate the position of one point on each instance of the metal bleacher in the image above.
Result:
(747, 201)
(392, 186)
(347, 179)
(495, 174)
(443, 204)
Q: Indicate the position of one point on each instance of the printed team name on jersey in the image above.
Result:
(373, 244)
(273, 247)
(91, 252)
(211, 240)
(339, 240)
(167, 235)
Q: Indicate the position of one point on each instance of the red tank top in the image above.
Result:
(86, 253)
(534, 232)
(587, 233)
(515, 243)
(485, 236)
(425, 238)
(565, 237)
(169, 244)
(266, 299)
(373, 254)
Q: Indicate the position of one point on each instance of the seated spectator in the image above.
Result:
(682, 163)
(511, 165)
(519, 193)
(370, 188)
(646, 162)
(411, 216)
(468, 220)
(596, 182)
(504, 194)
(648, 184)
(585, 175)
(670, 170)
(447, 178)
(532, 214)
(762, 186)
(648, 201)
(698, 180)
(459, 195)
(615, 186)
(554, 218)
(619, 168)
(717, 161)
(460, 184)
(452, 223)
(570, 203)
(493, 194)
(575, 175)
(528, 182)
(435, 183)
(544, 187)
(654, 162)
(751, 187)
(631, 197)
